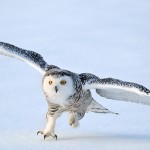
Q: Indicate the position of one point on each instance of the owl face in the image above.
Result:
(58, 89)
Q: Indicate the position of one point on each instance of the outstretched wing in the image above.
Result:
(116, 89)
(32, 58)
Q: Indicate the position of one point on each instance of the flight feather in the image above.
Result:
(32, 58)
(116, 89)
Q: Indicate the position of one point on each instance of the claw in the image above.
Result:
(55, 136)
(44, 137)
(39, 132)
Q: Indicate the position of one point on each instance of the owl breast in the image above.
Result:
(59, 99)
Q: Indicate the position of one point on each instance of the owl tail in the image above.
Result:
(98, 108)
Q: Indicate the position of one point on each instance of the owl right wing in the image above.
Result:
(116, 89)
(32, 58)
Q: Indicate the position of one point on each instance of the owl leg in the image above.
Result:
(50, 126)
(73, 119)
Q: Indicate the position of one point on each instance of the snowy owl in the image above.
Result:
(68, 91)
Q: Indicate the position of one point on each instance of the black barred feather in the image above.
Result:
(32, 58)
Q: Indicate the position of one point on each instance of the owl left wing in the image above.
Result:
(116, 89)
(30, 57)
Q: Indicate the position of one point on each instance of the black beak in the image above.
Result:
(56, 89)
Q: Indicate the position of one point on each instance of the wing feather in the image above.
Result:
(32, 58)
(116, 89)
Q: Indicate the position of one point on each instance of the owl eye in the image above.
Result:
(63, 82)
(50, 82)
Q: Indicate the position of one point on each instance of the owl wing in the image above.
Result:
(32, 58)
(116, 89)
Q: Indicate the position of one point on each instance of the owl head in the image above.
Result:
(58, 86)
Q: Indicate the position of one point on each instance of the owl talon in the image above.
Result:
(71, 123)
(73, 120)
(41, 132)
(55, 136)
(47, 135)
(44, 137)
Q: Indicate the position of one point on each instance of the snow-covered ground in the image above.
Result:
(110, 38)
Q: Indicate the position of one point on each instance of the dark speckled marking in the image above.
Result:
(92, 79)
(31, 56)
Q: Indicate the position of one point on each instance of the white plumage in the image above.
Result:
(68, 91)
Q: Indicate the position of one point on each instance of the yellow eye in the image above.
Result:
(50, 82)
(63, 82)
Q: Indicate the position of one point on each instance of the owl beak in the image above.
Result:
(56, 89)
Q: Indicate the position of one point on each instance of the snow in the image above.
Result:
(106, 38)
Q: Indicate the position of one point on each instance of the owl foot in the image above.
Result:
(74, 124)
(73, 120)
(47, 134)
